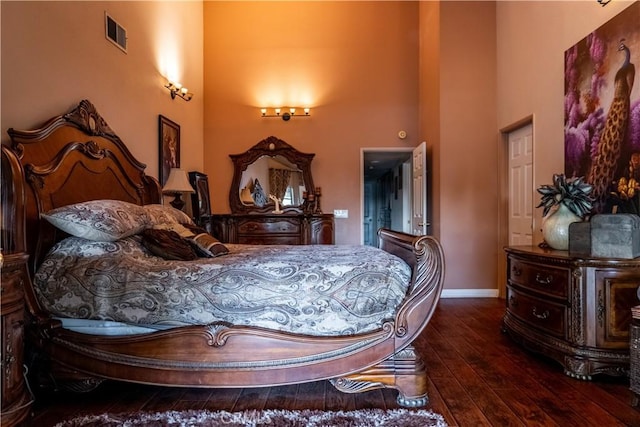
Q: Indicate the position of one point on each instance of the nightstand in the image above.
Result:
(16, 402)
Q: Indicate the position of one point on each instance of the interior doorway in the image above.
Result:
(517, 191)
(520, 152)
(386, 191)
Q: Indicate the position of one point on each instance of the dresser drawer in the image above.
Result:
(550, 280)
(545, 315)
(266, 226)
(269, 240)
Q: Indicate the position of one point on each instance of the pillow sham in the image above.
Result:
(167, 244)
(99, 220)
(162, 214)
(206, 244)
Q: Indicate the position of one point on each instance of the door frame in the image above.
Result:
(364, 150)
(503, 195)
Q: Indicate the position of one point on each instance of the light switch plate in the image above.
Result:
(341, 213)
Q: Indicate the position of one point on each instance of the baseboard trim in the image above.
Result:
(469, 293)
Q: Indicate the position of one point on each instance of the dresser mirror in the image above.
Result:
(271, 169)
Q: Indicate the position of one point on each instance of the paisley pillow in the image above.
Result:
(205, 243)
(163, 214)
(99, 220)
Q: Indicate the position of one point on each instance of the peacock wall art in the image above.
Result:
(602, 113)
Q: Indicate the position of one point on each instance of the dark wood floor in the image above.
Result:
(477, 377)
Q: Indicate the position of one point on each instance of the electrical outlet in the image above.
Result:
(341, 213)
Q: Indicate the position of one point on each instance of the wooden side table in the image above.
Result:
(15, 400)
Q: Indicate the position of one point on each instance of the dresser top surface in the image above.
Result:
(534, 251)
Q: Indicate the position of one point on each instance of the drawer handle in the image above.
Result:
(516, 271)
(513, 301)
(544, 280)
(542, 316)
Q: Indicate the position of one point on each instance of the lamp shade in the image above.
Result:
(177, 182)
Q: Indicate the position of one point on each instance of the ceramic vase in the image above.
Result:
(555, 227)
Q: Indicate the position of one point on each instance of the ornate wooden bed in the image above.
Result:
(77, 157)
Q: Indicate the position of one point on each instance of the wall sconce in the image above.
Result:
(176, 89)
(287, 115)
(176, 184)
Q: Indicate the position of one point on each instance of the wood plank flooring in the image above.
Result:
(477, 377)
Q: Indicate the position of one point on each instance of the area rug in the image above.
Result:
(273, 418)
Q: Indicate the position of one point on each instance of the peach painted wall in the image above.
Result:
(354, 63)
(55, 54)
(458, 120)
(532, 39)
(429, 117)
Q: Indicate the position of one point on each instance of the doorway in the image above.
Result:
(386, 191)
(520, 152)
(517, 192)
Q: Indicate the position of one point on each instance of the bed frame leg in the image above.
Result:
(412, 402)
(403, 371)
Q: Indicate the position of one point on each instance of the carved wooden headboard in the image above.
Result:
(73, 158)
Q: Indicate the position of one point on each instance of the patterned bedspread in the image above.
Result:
(315, 290)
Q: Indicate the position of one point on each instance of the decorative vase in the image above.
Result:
(555, 227)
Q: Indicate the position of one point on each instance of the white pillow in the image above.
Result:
(161, 215)
(99, 220)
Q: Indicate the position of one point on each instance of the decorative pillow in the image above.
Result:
(167, 244)
(162, 214)
(99, 220)
(259, 196)
(205, 243)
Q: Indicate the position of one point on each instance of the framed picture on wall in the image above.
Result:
(169, 136)
(201, 204)
(602, 112)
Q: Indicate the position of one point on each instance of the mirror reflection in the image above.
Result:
(270, 178)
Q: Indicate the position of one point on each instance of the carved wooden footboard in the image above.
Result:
(68, 160)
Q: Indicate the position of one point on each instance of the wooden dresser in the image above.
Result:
(252, 220)
(275, 229)
(574, 310)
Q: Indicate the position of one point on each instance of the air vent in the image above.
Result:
(115, 33)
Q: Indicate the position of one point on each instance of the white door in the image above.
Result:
(419, 174)
(521, 186)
